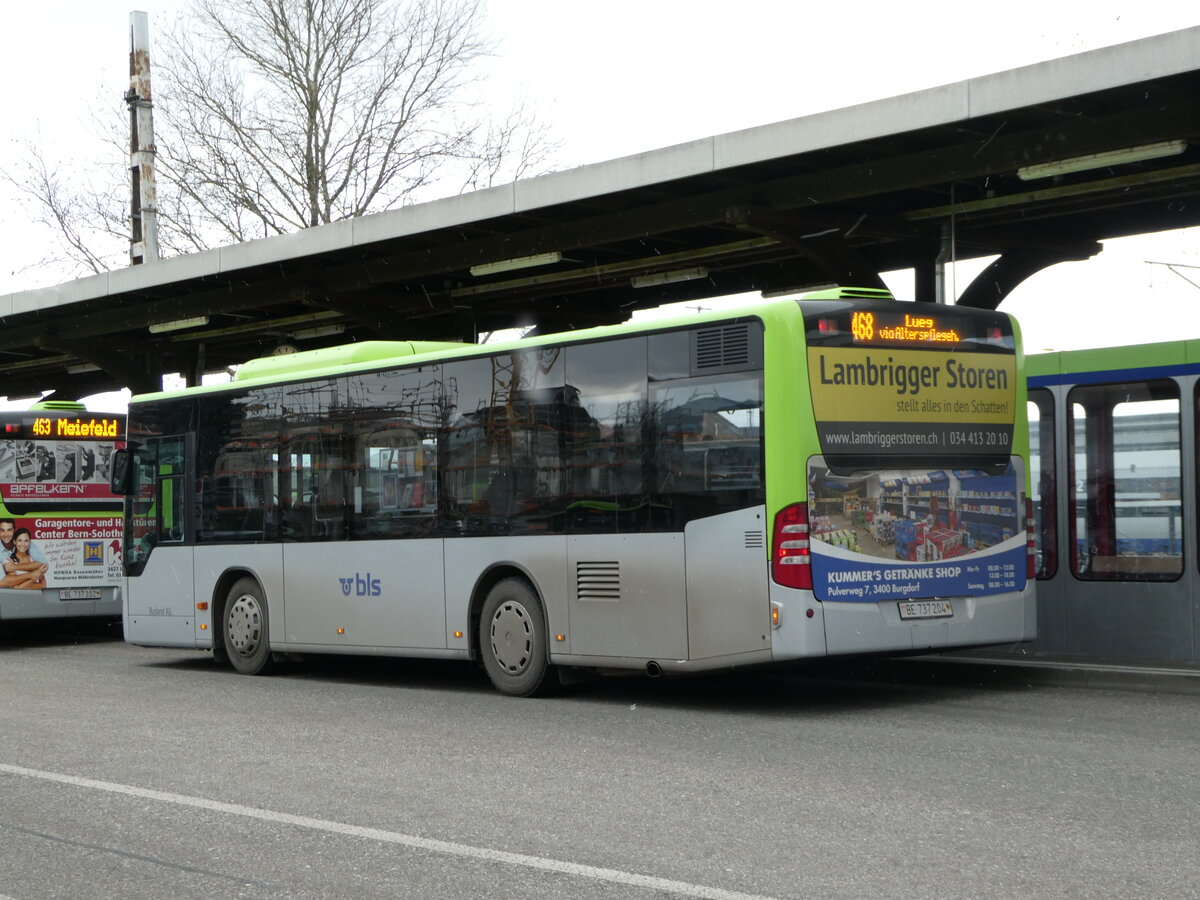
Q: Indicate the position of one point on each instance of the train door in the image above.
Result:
(1116, 523)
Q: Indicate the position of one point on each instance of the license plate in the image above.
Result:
(78, 593)
(925, 609)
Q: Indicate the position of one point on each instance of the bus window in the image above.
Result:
(171, 490)
(1043, 477)
(392, 466)
(508, 420)
(1127, 513)
(311, 486)
(158, 499)
(709, 451)
(238, 470)
(606, 466)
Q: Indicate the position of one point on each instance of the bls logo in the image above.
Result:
(361, 586)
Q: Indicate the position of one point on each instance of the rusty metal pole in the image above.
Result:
(143, 246)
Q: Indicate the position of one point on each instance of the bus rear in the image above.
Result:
(60, 524)
(909, 532)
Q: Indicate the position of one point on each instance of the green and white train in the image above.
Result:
(1114, 437)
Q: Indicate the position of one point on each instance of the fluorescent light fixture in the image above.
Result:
(519, 262)
(672, 277)
(178, 324)
(318, 331)
(81, 368)
(1101, 160)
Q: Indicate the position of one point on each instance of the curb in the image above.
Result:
(1094, 676)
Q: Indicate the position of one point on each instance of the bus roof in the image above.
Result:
(271, 368)
(58, 406)
(368, 355)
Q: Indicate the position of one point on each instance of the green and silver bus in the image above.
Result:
(60, 523)
(795, 479)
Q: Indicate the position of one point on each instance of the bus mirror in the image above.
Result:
(118, 479)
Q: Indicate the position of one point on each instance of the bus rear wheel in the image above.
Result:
(512, 639)
(246, 634)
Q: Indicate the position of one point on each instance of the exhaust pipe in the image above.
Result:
(653, 669)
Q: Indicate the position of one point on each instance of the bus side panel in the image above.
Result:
(629, 596)
(379, 593)
(263, 561)
(542, 558)
(158, 603)
(801, 631)
(727, 606)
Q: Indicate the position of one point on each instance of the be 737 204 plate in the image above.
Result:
(78, 593)
(925, 609)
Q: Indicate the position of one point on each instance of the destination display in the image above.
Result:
(905, 329)
(909, 325)
(904, 535)
(79, 427)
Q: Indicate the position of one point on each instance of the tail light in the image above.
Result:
(791, 562)
(1030, 546)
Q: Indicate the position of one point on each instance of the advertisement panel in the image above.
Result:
(60, 524)
(887, 403)
(915, 534)
(39, 552)
(50, 473)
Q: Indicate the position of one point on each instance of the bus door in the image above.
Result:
(159, 541)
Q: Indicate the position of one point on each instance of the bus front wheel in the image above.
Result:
(512, 639)
(246, 640)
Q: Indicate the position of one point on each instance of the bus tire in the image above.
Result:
(512, 639)
(247, 641)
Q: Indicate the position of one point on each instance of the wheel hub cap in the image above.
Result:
(512, 637)
(245, 625)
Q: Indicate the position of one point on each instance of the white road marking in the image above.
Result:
(631, 879)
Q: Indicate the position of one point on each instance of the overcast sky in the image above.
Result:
(622, 76)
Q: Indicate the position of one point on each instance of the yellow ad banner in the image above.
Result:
(854, 384)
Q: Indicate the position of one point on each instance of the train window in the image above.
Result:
(1043, 476)
(1127, 511)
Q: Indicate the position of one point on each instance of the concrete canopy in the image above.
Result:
(830, 198)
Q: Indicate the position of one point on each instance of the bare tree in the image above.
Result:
(277, 115)
(91, 225)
